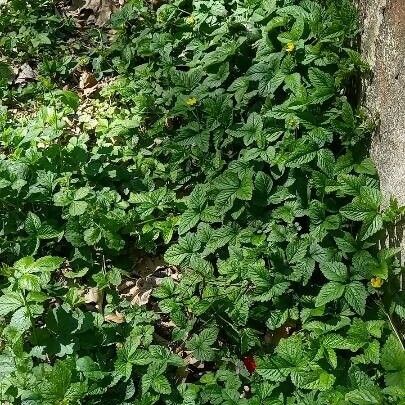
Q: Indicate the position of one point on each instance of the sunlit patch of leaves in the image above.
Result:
(227, 144)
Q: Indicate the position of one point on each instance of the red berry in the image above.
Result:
(249, 363)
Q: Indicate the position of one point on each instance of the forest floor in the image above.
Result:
(188, 214)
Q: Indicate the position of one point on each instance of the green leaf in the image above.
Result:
(63, 198)
(262, 190)
(201, 344)
(355, 295)
(334, 271)
(276, 319)
(77, 208)
(92, 235)
(231, 186)
(329, 292)
(47, 263)
(188, 220)
(273, 368)
(296, 250)
(161, 385)
(29, 282)
(323, 85)
(81, 193)
(393, 362)
(371, 226)
(32, 223)
(10, 302)
(184, 251)
(47, 232)
(251, 131)
(292, 350)
(21, 319)
(6, 73)
(362, 396)
(317, 379)
(57, 384)
(371, 197)
(355, 211)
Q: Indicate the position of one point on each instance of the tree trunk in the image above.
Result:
(383, 45)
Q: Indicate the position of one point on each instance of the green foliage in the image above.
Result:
(224, 140)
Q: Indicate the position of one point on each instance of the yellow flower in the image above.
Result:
(377, 282)
(191, 101)
(290, 47)
(190, 20)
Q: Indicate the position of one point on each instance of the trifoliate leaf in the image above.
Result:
(201, 344)
(183, 251)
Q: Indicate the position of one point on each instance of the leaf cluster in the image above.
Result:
(227, 142)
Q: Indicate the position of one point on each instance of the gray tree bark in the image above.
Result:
(383, 46)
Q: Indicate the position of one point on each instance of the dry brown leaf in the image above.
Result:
(87, 80)
(94, 296)
(190, 359)
(116, 317)
(91, 296)
(139, 292)
(152, 270)
(141, 297)
(96, 12)
(125, 286)
(26, 74)
(104, 13)
(88, 83)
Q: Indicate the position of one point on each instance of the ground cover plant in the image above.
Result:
(188, 211)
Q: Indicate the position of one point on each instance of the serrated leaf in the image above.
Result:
(323, 85)
(393, 361)
(262, 191)
(201, 344)
(273, 368)
(292, 350)
(371, 226)
(355, 295)
(329, 292)
(362, 396)
(29, 282)
(92, 236)
(161, 385)
(317, 379)
(230, 187)
(47, 232)
(184, 251)
(47, 263)
(32, 223)
(77, 208)
(334, 271)
(188, 220)
(10, 302)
